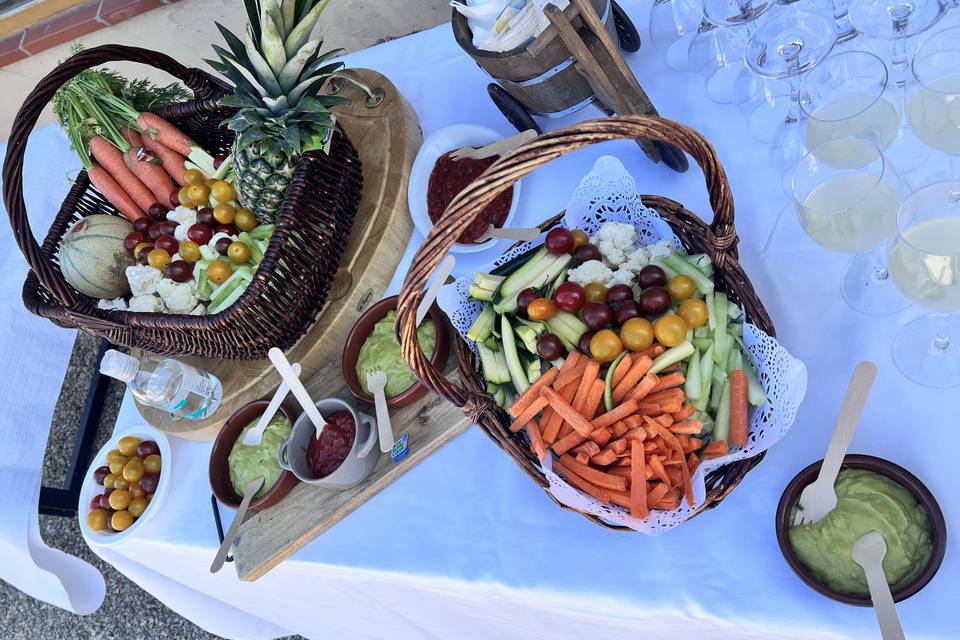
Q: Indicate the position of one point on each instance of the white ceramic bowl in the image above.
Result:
(90, 488)
(438, 143)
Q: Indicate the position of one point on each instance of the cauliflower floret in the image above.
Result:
(179, 297)
(143, 279)
(149, 303)
(590, 271)
(117, 304)
(621, 276)
(659, 249)
(185, 218)
(636, 261)
(615, 241)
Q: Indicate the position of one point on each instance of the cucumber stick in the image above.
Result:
(494, 371)
(678, 264)
(721, 428)
(706, 379)
(517, 281)
(482, 327)
(514, 366)
(608, 386)
(673, 355)
(692, 386)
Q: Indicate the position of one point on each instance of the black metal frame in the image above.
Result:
(56, 501)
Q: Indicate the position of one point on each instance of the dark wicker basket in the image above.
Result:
(719, 239)
(291, 283)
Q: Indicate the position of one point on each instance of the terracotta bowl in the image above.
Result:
(899, 475)
(219, 472)
(362, 330)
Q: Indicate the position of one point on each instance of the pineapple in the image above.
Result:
(277, 72)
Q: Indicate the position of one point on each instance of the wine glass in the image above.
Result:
(925, 265)
(674, 24)
(934, 110)
(844, 98)
(852, 209)
(783, 47)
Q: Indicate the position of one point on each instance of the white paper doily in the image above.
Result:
(609, 194)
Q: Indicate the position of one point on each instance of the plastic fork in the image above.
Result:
(868, 552)
(819, 498)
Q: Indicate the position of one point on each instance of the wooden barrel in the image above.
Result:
(540, 75)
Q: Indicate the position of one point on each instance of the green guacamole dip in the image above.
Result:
(865, 500)
(381, 352)
(246, 462)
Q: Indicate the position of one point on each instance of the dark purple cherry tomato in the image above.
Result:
(223, 244)
(168, 228)
(104, 500)
(584, 343)
(525, 297)
(627, 309)
(142, 225)
(133, 239)
(95, 502)
(228, 229)
(200, 233)
(619, 293)
(205, 216)
(596, 315)
(148, 448)
(651, 276)
(175, 198)
(167, 243)
(549, 347)
(654, 301)
(559, 241)
(158, 212)
(155, 231)
(149, 482)
(569, 296)
(586, 253)
(100, 473)
(179, 271)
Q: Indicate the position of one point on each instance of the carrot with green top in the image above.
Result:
(739, 408)
(169, 136)
(111, 159)
(114, 193)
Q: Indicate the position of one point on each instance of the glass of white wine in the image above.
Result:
(934, 109)
(925, 264)
(852, 209)
(844, 97)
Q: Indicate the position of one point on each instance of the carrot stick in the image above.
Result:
(594, 399)
(692, 462)
(665, 395)
(111, 159)
(716, 449)
(638, 482)
(528, 414)
(552, 428)
(639, 368)
(664, 420)
(567, 442)
(114, 193)
(536, 440)
(533, 393)
(582, 458)
(620, 428)
(669, 502)
(658, 470)
(618, 413)
(586, 384)
(150, 174)
(617, 446)
(621, 369)
(603, 458)
(601, 436)
(563, 408)
(669, 382)
(166, 133)
(738, 408)
(635, 434)
(603, 495)
(695, 444)
(684, 413)
(690, 427)
(173, 163)
(659, 490)
(571, 369)
(621, 498)
(589, 447)
(644, 387)
(624, 471)
(594, 476)
(653, 351)
(633, 422)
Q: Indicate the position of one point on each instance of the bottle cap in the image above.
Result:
(119, 365)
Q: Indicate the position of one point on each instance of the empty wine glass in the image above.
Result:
(674, 24)
(925, 264)
(934, 110)
(844, 98)
(852, 209)
(783, 47)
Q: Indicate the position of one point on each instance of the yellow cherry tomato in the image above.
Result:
(97, 519)
(219, 271)
(224, 213)
(681, 287)
(542, 309)
(189, 251)
(128, 445)
(158, 258)
(121, 520)
(238, 252)
(579, 238)
(637, 334)
(605, 346)
(245, 220)
(108, 480)
(198, 193)
(694, 311)
(670, 330)
(137, 507)
(223, 191)
(595, 292)
(140, 247)
(193, 176)
(119, 499)
(184, 196)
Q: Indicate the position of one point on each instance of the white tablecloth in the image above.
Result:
(465, 546)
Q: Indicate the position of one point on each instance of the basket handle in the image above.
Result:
(722, 235)
(203, 85)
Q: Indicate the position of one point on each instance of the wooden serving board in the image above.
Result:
(387, 136)
(270, 536)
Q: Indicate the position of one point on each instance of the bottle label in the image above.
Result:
(196, 382)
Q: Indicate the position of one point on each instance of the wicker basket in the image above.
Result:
(289, 287)
(719, 239)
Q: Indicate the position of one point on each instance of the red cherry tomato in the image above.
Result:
(559, 241)
(569, 296)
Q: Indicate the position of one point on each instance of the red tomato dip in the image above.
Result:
(327, 453)
(449, 178)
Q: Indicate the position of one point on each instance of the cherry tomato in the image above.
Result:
(542, 309)
(586, 253)
(132, 239)
(142, 225)
(637, 334)
(167, 243)
(152, 463)
(525, 297)
(219, 271)
(198, 193)
(694, 311)
(222, 245)
(137, 507)
(193, 176)
(605, 346)
(100, 473)
(158, 258)
(205, 216)
(549, 347)
(654, 301)
(119, 499)
(584, 342)
(626, 310)
(569, 296)
(670, 330)
(681, 287)
(245, 220)
(595, 292)
(579, 238)
(225, 213)
(223, 191)
(559, 241)
(189, 251)
(238, 252)
(651, 276)
(121, 520)
(183, 198)
(97, 520)
(157, 211)
(200, 233)
(596, 315)
(619, 293)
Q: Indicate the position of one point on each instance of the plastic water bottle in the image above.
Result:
(166, 384)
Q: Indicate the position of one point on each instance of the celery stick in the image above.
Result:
(702, 344)
(489, 364)
(702, 263)
(692, 387)
(482, 327)
(499, 398)
(719, 380)
(721, 429)
(476, 292)
(710, 301)
(733, 310)
(672, 356)
(755, 393)
(701, 332)
(706, 378)
(491, 386)
(722, 342)
(263, 232)
(608, 382)
(517, 374)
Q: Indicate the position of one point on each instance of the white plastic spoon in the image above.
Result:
(868, 552)
(439, 279)
(255, 435)
(524, 234)
(248, 492)
(299, 391)
(376, 381)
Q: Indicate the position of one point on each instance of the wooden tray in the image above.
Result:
(269, 537)
(387, 136)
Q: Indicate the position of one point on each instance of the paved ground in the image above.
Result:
(130, 612)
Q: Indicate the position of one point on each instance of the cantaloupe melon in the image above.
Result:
(92, 256)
